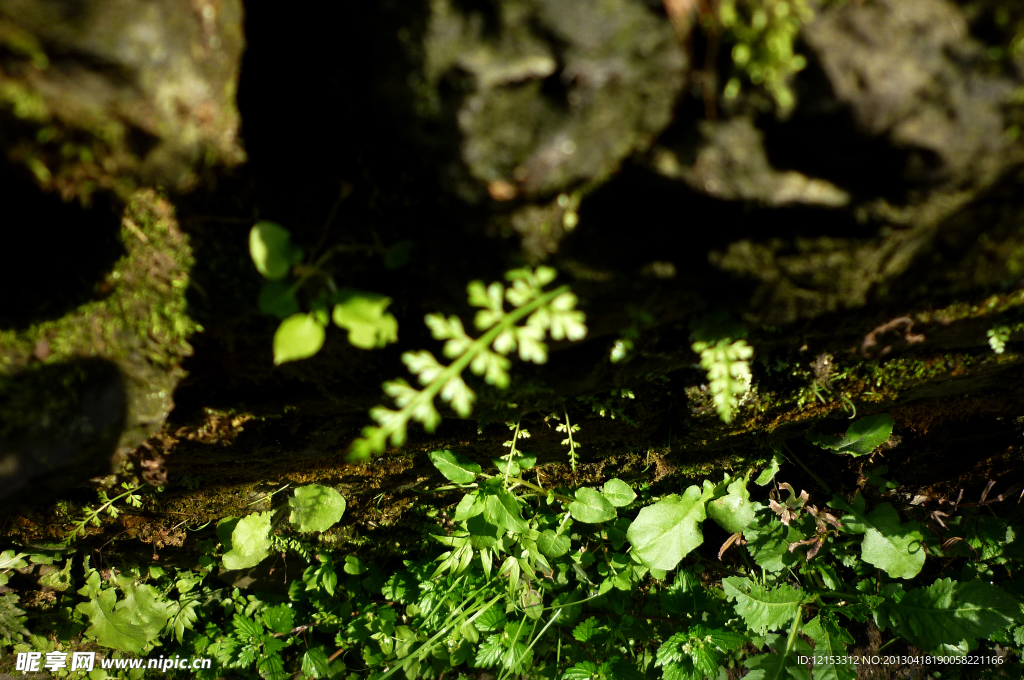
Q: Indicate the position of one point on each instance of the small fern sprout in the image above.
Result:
(568, 428)
(727, 364)
(514, 318)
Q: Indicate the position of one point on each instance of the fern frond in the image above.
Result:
(542, 312)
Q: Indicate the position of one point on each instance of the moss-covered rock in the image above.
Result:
(137, 321)
(118, 94)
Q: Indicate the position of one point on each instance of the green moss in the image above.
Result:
(140, 320)
(23, 102)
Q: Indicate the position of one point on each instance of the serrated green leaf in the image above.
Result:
(271, 666)
(861, 438)
(492, 618)
(948, 612)
(131, 624)
(315, 508)
(664, 533)
(454, 467)
(768, 543)
(734, 511)
(584, 670)
(280, 619)
(830, 649)
(300, 336)
(588, 629)
(763, 609)
(591, 507)
(364, 315)
(271, 249)
(618, 493)
(250, 542)
(111, 628)
(315, 663)
(12, 619)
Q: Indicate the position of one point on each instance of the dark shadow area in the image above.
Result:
(822, 140)
(59, 425)
(62, 254)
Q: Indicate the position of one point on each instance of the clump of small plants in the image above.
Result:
(602, 581)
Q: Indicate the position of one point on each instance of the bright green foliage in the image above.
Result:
(272, 251)
(895, 547)
(107, 507)
(733, 511)
(591, 506)
(365, 317)
(783, 664)
(129, 624)
(861, 438)
(618, 493)
(830, 642)
(543, 312)
(664, 533)
(560, 583)
(763, 33)
(455, 467)
(763, 609)
(300, 336)
(727, 364)
(768, 542)
(9, 561)
(998, 336)
(316, 508)
(945, 614)
(250, 541)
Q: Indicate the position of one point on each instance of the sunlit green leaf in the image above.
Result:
(250, 542)
(763, 609)
(861, 438)
(938, 617)
(315, 508)
(300, 336)
(591, 506)
(895, 547)
(365, 317)
(552, 544)
(664, 533)
(618, 493)
(455, 467)
(315, 663)
(733, 511)
(280, 618)
(271, 249)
